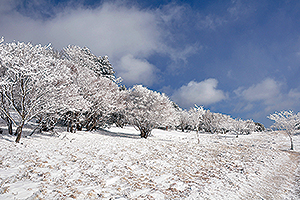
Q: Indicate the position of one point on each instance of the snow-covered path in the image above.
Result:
(117, 164)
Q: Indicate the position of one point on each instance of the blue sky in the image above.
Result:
(240, 58)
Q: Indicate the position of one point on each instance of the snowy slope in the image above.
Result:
(118, 164)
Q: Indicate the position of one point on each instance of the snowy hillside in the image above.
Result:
(118, 164)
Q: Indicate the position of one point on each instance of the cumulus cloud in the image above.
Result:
(113, 29)
(266, 91)
(269, 93)
(136, 70)
(201, 93)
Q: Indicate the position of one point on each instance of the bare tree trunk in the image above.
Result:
(19, 133)
(35, 130)
(19, 129)
(144, 132)
(291, 140)
(9, 126)
(78, 126)
(72, 129)
(72, 122)
(91, 127)
(68, 127)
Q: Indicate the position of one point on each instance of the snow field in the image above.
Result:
(118, 164)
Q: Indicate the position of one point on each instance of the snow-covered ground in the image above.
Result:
(117, 164)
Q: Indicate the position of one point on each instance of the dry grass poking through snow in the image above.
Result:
(168, 165)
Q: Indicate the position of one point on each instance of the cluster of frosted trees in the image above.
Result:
(79, 90)
(201, 120)
(72, 87)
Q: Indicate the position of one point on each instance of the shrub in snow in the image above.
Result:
(147, 109)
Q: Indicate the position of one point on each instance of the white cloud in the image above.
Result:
(270, 93)
(201, 93)
(267, 91)
(137, 70)
(110, 29)
(113, 29)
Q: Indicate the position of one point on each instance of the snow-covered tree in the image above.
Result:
(184, 120)
(242, 127)
(95, 80)
(118, 118)
(84, 57)
(106, 99)
(33, 82)
(5, 109)
(147, 109)
(208, 122)
(287, 121)
(195, 117)
(219, 122)
(4, 103)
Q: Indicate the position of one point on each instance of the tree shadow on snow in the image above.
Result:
(226, 136)
(118, 134)
(9, 139)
